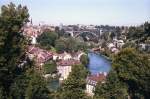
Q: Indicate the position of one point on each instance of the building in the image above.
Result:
(33, 40)
(114, 50)
(144, 47)
(31, 32)
(77, 55)
(118, 43)
(92, 80)
(64, 68)
(39, 55)
(62, 56)
(110, 45)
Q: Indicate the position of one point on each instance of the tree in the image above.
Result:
(84, 59)
(111, 89)
(130, 44)
(133, 69)
(140, 34)
(50, 67)
(36, 88)
(12, 43)
(59, 31)
(60, 45)
(14, 63)
(47, 39)
(73, 87)
(69, 45)
(129, 77)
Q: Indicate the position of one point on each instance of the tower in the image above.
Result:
(31, 22)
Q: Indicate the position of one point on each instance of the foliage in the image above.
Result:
(84, 59)
(59, 31)
(47, 39)
(73, 87)
(15, 81)
(76, 77)
(129, 78)
(50, 67)
(12, 43)
(140, 33)
(60, 45)
(112, 89)
(29, 86)
(130, 44)
(69, 44)
(36, 88)
(133, 69)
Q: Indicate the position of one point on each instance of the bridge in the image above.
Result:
(78, 33)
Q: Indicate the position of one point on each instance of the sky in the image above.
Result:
(96, 12)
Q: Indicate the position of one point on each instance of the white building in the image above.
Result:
(33, 41)
(64, 68)
(118, 43)
(110, 45)
(63, 56)
(92, 80)
(77, 55)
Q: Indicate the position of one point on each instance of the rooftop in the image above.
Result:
(95, 78)
(68, 62)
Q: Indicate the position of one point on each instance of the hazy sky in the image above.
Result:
(111, 12)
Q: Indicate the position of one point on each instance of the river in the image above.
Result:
(97, 64)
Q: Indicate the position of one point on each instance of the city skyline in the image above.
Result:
(96, 12)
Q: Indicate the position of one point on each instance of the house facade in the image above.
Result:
(92, 80)
(64, 68)
(77, 55)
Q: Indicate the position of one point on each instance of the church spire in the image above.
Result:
(31, 22)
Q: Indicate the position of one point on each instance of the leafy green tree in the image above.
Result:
(130, 44)
(81, 45)
(50, 67)
(14, 64)
(36, 88)
(129, 77)
(12, 43)
(59, 31)
(73, 87)
(78, 74)
(47, 39)
(60, 45)
(133, 69)
(18, 88)
(140, 34)
(30, 85)
(69, 44)
(111, 89)
(84, 59)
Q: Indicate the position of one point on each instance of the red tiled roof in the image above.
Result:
(68, 62)
(41, 55)
(97, 77)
